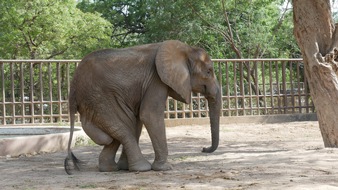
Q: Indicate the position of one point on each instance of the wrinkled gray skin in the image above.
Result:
(118, 91)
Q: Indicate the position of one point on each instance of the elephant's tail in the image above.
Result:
(72, 111)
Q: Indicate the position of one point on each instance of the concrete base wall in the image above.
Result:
(33, 144)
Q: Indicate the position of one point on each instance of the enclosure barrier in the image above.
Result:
(36, 91)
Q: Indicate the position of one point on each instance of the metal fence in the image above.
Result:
(36, 91)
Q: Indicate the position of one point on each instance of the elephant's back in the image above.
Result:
(125, 60)
(108, 55)
(116, 73)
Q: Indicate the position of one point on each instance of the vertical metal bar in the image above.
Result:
(68, 88)
(167, 109)
(59, 99)
(50, 92)
(175, 108)
(76, 65)
(307, 94)
(3, 93)
(271, 88)
(292, 86)
(41, 93)
(13, 93)
(32, 101)
(183, 110)
(285, 102)
(235, 86)
(299, 89)
(241, 87)
(191, 115)
(263, 88)
(220, 73)
(227, 83)
(199, 105)
(22, 93)
(257, 88)
(249, 87)
(206, 107)
(278, 87)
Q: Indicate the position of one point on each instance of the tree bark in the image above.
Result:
(317, 38)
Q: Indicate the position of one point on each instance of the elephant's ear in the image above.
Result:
(172, 67)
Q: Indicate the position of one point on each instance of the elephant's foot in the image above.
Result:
(161, 166)
(107, 166)
(107, 161)
(141, 166)
(123, 164)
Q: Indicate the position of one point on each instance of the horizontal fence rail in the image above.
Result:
(36, 91)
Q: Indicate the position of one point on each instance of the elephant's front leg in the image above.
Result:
(152, 116)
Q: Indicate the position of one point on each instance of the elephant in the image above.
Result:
(117, 91)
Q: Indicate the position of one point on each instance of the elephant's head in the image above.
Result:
(187, 69)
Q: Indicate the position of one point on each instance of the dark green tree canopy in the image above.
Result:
(45, 29)
(227, 29)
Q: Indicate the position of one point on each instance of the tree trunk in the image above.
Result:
(318, 39)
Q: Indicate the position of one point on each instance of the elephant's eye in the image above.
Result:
(209, 72)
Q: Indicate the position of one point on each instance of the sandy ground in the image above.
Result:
(260, 156)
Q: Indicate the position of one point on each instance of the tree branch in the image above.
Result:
(231, 39)
(281, 19)
(57, 53)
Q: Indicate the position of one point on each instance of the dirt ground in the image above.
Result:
(260, 156)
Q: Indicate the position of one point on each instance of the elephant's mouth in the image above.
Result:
(211, 97)
(204, 90)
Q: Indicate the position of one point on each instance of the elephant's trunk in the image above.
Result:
(215, 104)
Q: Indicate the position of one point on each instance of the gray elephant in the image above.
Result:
(118, 91)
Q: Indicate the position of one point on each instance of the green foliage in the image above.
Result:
(45, 29)
(126, 16)
(247, 29)
(227, 29)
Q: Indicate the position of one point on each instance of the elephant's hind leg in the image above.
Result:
(122, 127)
(107, 157)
